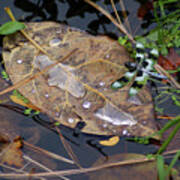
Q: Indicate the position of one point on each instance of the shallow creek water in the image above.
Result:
(85, 18)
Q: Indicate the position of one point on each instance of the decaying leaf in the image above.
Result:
(11, 154)
(4, 141)
(78, 89)
(171, 62)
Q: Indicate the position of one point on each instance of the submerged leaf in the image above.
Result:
(11, 27)
(129, 168)
(12, 155)
(171, 61)
(79, 88)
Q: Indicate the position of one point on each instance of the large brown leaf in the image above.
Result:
(79, 88)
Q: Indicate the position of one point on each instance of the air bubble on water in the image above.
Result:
(70, 120)
(86, 104)
(46, 95)
(19, 61)
(59, 31)
(33, 91)
(125, 132)
(128, 134)
(102, 83)
(107, 56)
(57, 114)
(105, 125)
(144, 122)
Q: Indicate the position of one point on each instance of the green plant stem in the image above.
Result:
(168, 140)
(173, 162)
(169, 125)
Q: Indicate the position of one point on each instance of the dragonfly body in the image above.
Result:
(140, 70)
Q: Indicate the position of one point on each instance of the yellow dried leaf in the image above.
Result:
(110, 142)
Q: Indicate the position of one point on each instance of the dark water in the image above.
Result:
(80, 15)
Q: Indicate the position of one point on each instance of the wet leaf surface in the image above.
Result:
(78, 90)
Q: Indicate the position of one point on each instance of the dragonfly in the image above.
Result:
(140, 71)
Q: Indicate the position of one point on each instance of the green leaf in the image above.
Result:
(4, 75)
(176, 101)
(160, 167)
(141, 39)
(150, 156)
(11, 27)
(57, 123)
(153, 36)
(36, 112)
(27, 111)
(164, 50)
(122, 40)
(172, 134)
(20, 96)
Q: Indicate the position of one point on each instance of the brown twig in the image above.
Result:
(120, 26)
(116, 13)
(82, 170)
(50, 154)
(172, 81)
(68, 149)
(31, 77)
(86, 170)
(125, 15)
(42, 166)
(123, 29)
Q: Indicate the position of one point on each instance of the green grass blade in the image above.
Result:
(160, 167)
(168, 140)
(169, 125)
(173, 162)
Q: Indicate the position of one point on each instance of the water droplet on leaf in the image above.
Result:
(54, 42)
(86, 104)
(70, 120)
(19, 61)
